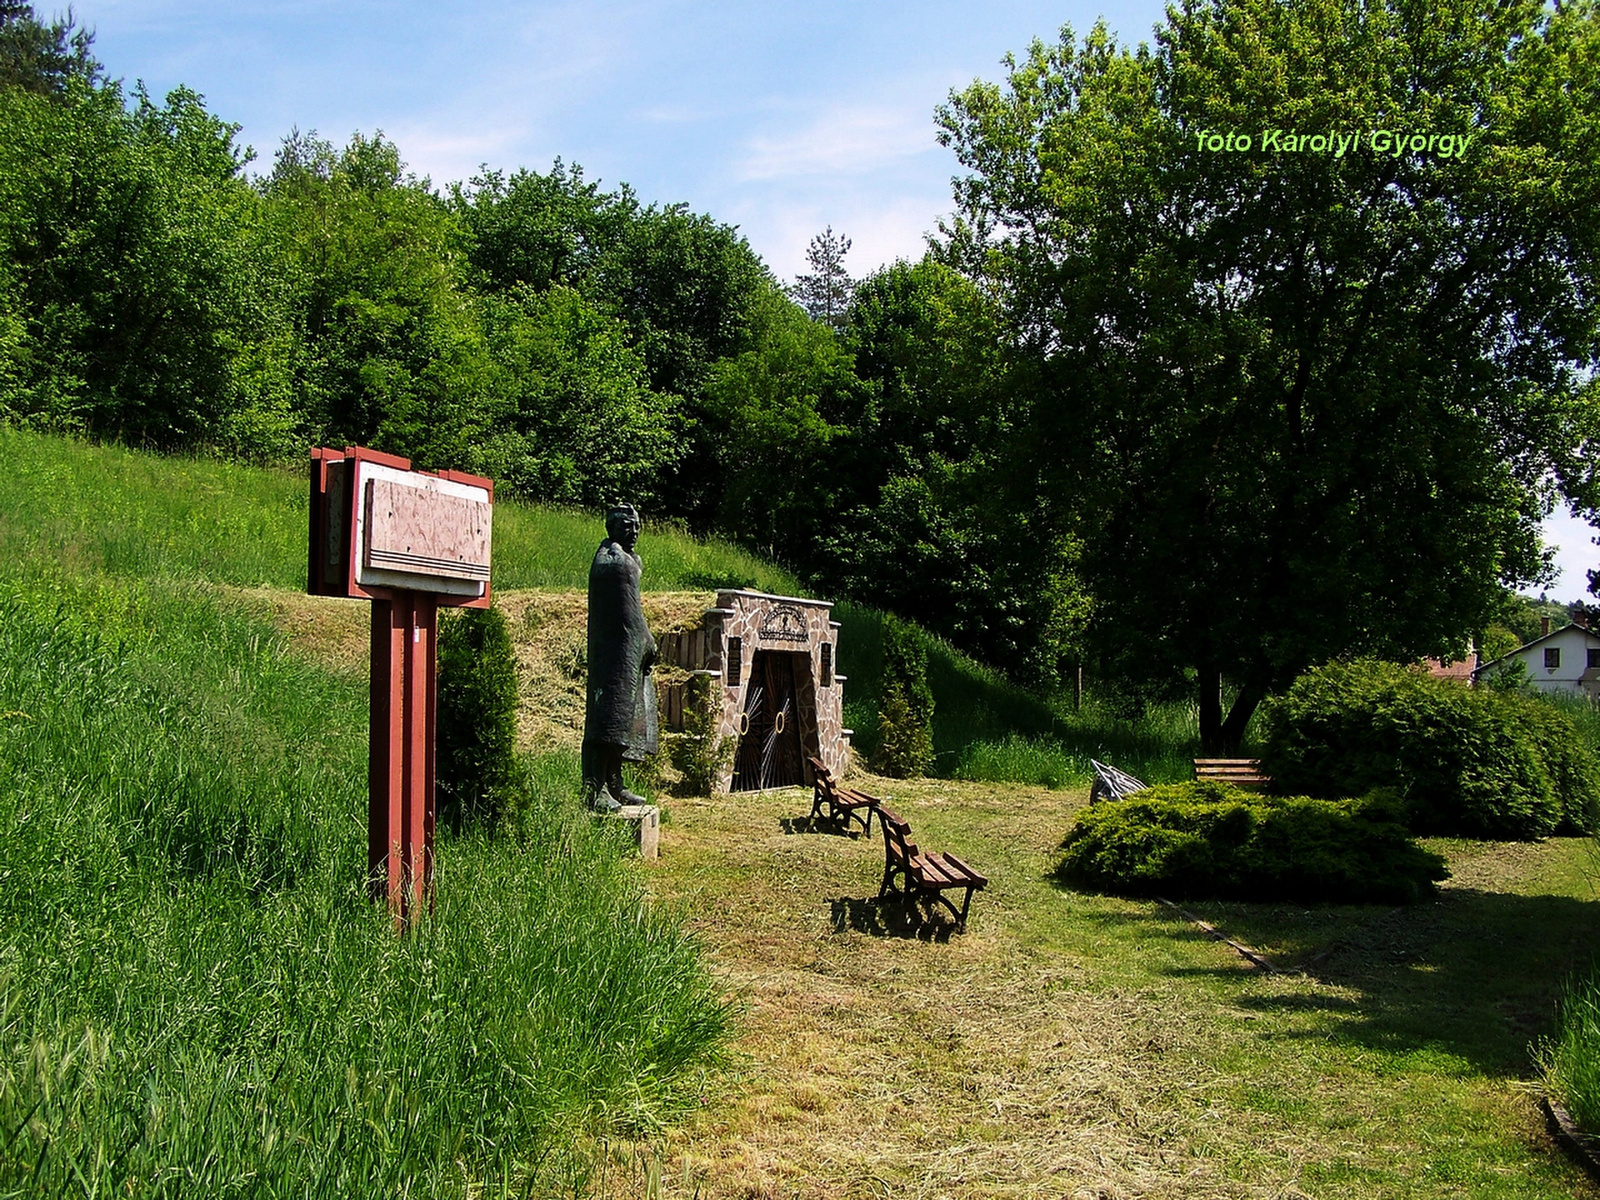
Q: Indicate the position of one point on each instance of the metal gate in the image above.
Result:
(769, 733)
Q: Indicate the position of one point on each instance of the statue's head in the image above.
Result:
(622, 526)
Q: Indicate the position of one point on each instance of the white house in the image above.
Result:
(1560, 660)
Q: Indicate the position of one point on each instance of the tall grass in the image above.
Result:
(106, 509)
(987, 728)
(1571, 1059)
(1158, 747)
(197, 999)
(1585, 714)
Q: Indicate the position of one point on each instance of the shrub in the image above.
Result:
(477, 717)
(1569, 759)
(1470, 762)
(698, 753)
(905, 716)
(1210, 839)
(1571, 1059)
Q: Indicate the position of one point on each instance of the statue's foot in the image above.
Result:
(632, 797)
(601, 802)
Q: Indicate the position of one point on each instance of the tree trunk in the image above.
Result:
(1244, 707)
(1211, 712)
(1219, 737)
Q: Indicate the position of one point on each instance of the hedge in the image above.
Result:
(1470, 762)
(1212, 840)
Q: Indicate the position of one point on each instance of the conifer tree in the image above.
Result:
(42, 58)
(825, 291)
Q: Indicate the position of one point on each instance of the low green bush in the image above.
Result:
(1213, 840)
(1470, 762)
(1571, 1059)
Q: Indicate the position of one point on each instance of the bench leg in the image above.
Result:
(961, 921)
(889, 872)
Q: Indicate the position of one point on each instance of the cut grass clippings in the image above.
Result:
(1071, 1045)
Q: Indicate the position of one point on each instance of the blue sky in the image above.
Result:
(778, 118)
(781, 119)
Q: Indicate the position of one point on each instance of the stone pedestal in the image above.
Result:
(646, 822)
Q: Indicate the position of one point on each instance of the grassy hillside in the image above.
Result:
(986, 728)
(105, 510)
(121, 512)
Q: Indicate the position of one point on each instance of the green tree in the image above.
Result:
(773, 411)
(137, 271)
(539, 231)
(688, 291)
(934, 515)
(573, 418)
(1296, 404)
(824, 292)
(691, 292)
(389, 350)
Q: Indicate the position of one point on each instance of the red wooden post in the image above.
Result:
(435, 554)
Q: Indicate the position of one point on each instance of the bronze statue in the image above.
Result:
(619, 720)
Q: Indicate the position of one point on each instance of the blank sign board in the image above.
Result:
(420, 532)
(377, 526)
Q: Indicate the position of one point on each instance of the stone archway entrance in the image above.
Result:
(774, 691)
(770, 751)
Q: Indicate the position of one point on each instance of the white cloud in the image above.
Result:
(842, 141)
(881, 227)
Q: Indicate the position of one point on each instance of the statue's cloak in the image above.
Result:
(621, 707)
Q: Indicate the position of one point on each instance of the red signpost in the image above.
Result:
(411, 542)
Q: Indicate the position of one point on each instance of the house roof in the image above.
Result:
(1461, 670)
(1592, 637)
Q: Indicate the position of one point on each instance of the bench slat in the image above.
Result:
(1241, 772)
(952, 861)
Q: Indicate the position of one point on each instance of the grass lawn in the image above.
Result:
(1071, 1045)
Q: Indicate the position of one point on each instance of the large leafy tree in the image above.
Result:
(388, 348)
(573, 419)
(687, 290)
(137, 291)
(1297, 403)
(775, 410)
(935, 515)
(538, 231)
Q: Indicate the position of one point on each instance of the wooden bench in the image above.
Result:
(836, 804)
(1241, 772)
(932, 873)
